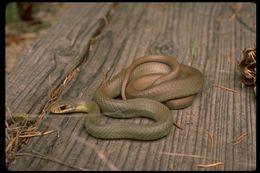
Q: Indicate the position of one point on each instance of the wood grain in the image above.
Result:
(212, 31)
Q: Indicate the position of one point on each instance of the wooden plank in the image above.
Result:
(47, 63)
(216, 117)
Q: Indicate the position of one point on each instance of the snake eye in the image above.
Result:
(62, 107)
(59, 109)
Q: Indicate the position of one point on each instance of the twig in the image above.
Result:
(222, 87)
(209, 165)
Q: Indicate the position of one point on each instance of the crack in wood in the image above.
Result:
(56, 92)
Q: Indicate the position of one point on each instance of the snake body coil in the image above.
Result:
(147, 82)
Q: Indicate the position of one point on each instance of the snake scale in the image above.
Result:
(150, 87)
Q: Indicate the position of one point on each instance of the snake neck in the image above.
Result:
(87, 106)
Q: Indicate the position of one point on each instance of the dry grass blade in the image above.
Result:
(21, 128)
(57, 91)
(33, 134)
(210, 146)
(6, 131)
(29, 129)
(11, 147)
(229, 58)
(188, 123)
(55, 94)
(12, 143)
(206, 165)
(25, 133)
(209, 165)
(239, 139)
(222, 87)
(181, 154)
(10, 114)
(176, 125)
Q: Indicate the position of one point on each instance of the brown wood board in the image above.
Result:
(207, 36)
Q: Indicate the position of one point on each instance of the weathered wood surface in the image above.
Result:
(218, 32)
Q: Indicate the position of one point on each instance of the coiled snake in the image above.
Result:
(147, 82)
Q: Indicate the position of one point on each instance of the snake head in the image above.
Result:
(72, 105)
(62, 106)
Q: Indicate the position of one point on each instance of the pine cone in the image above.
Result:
(248, 67)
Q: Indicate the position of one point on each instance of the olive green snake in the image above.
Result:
(150, 87)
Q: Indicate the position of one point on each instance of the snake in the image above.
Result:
(149, 88)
